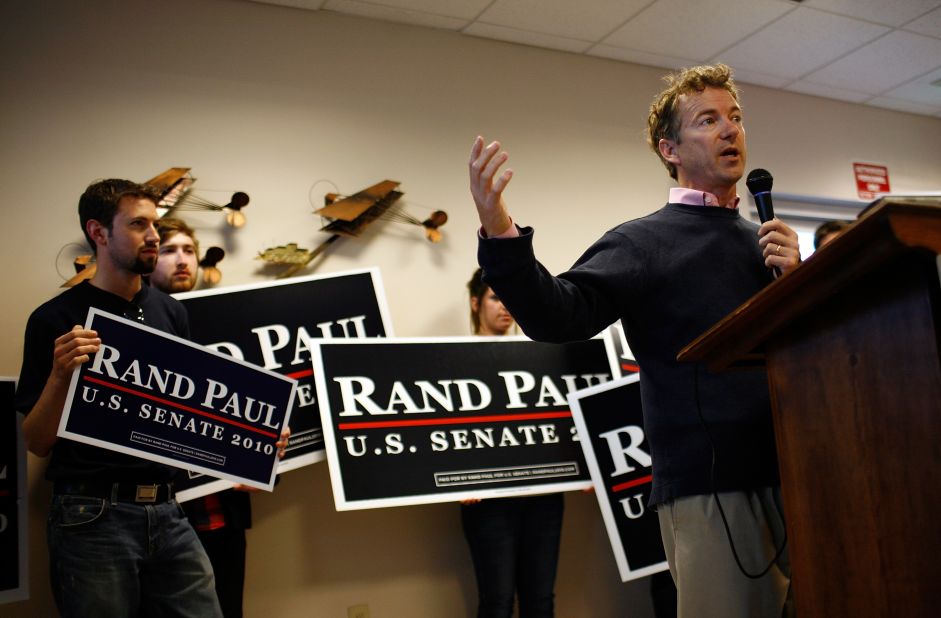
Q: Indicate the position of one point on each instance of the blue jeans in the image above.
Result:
(120, 559)
(226, 550)
(514, 544)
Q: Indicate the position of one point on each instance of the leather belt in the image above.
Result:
(148, 493)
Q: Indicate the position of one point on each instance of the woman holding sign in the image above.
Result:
(514, 542)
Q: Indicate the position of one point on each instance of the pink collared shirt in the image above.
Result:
(692, 197)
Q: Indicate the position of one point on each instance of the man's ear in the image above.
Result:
(475, 304)
(668, 150)
(97, 232)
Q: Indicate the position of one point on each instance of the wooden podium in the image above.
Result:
(851, 341)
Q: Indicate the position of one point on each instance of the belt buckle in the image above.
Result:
(146, 493)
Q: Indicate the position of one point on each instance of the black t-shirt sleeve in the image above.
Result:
(38, 347)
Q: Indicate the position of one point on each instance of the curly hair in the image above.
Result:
(663, 120)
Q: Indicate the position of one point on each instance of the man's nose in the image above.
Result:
(730, 129)
(152, 234)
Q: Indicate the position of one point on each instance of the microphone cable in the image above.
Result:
(715, 493)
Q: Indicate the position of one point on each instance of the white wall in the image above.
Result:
(269, 100)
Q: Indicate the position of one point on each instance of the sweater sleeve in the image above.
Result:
(573, 306)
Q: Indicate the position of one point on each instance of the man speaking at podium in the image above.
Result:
(668, 277)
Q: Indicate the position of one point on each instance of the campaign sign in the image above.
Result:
(14, 574)
(415, 421)
(610, 421)
(271, 325)
(157, 396)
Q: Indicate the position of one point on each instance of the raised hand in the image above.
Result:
(488, 193)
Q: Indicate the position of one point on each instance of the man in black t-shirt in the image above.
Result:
(118, 542)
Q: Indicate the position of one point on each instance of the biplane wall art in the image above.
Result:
(349, 216)
(175, 189)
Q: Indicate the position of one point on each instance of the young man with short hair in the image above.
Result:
(114, 550)
(177, 257)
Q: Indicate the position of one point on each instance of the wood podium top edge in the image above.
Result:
(885, 229)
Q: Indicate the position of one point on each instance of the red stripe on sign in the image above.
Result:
(641, 481)
(221, 419)
(630, 367)
(533, 416)
(300, 374)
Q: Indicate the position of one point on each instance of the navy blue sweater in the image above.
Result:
(668, 277)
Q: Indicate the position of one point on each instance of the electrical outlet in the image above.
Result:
(357, 611)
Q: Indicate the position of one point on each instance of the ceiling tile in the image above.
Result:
(697, 29)
(588, 21)
(883, 64)
(800, 42)
(929, 24)
(890, 13)
(920, 90)
(396, 14)
(829, 92)
(526, 38)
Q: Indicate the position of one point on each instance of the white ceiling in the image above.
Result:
(884, 53)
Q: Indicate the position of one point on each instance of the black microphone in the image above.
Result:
(759, 182)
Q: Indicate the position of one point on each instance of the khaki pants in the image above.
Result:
(709, 582)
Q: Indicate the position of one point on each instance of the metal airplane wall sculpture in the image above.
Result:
(349, 216)
(174, 187)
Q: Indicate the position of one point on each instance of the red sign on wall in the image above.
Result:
(871, 179)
